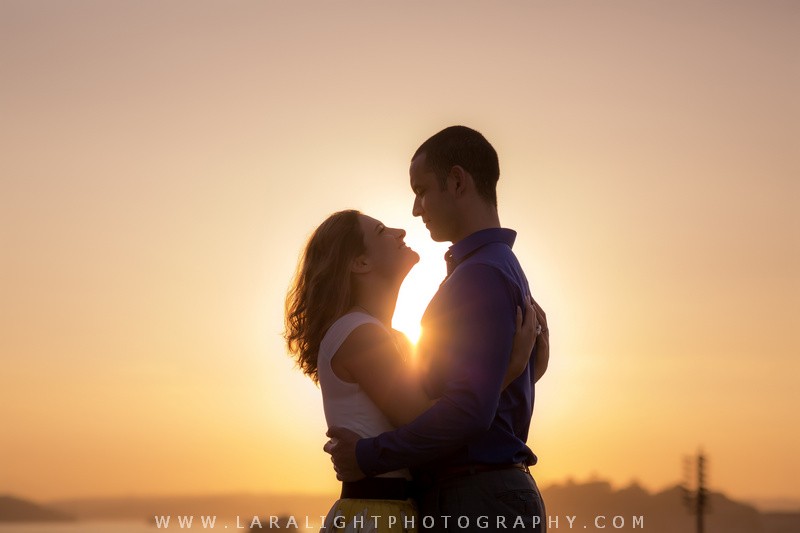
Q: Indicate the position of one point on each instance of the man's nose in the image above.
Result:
(417, 209)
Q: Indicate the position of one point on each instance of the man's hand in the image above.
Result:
(342, 448)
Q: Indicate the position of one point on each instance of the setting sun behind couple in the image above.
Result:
(421, 283)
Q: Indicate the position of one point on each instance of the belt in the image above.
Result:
(377, 488)
(455, 471)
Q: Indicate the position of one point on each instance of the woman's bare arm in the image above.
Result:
(370, 357)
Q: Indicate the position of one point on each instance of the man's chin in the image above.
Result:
(436, 237)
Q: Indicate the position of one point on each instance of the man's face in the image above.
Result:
(435, 205)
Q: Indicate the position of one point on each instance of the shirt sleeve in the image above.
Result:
(480, 323)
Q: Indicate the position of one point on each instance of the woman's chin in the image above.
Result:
(407, 268)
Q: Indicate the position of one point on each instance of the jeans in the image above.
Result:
(497, 500)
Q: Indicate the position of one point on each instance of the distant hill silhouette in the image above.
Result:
(18, 510)
(781, 522)
(661, 512)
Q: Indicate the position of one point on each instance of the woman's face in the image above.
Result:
(386, 251)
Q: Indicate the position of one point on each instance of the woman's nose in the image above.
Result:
(401, 233)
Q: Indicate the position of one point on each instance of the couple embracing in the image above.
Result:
(440, 445)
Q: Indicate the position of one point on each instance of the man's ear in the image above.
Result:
(458, 180)
(360, 265)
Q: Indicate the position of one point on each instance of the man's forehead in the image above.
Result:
(419, 169)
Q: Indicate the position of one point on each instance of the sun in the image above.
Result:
(419, 287)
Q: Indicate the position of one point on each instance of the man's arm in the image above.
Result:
(481, 322)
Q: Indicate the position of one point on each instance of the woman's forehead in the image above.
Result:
(369, 222)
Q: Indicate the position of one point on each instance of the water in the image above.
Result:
(144, 527)
(82, 527)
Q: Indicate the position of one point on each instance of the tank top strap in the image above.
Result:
(343, 327)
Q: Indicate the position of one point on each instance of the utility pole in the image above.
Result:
(696, 500)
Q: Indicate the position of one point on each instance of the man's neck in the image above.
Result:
(477, 220)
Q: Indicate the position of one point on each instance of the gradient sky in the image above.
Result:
(163, 163)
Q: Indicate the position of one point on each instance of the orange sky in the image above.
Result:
(163, 164)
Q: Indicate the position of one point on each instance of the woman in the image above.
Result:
(338, 327)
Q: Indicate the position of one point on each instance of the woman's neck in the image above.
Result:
(378, 302)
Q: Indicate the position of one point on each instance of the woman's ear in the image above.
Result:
(360, 265)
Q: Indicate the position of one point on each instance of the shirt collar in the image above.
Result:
(471, 243)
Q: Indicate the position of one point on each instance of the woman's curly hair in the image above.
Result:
(321, 290)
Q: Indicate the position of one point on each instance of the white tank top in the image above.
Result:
(346, 404)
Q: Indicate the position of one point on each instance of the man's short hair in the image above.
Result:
(463, 146)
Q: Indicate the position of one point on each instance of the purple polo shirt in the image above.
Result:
(467, 334)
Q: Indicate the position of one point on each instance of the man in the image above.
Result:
(468, 451)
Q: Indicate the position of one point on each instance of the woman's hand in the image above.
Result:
(542, 356)
(524, 341)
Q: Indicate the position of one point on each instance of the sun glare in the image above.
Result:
(419, 287)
